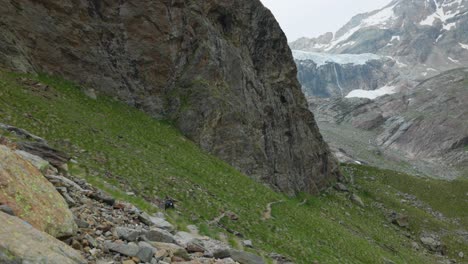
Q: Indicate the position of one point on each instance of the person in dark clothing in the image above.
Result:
(168, 203)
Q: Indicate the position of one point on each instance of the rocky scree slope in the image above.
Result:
(100, 229)
(221, 70)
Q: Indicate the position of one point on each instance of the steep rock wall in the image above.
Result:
(221, 70)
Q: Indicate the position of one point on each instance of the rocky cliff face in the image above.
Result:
(221, 70)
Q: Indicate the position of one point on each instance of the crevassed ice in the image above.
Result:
(324, 58)
(372, 94)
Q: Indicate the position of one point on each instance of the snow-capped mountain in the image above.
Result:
(429, 34)
(398, 76)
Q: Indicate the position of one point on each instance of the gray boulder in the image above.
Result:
(246, 258)
(17, 235)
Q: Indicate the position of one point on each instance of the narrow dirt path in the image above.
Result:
(267, 213)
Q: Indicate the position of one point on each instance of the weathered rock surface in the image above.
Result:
(222, 70)
(246, 258)
(32, 197)
(21, 243)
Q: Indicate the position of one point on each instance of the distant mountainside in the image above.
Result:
(222, 71)
(393, 72)
(425, 126)
(422, 33)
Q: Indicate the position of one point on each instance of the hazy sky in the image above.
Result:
(310, 18)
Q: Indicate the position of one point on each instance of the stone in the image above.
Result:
(247, 243)
(341, 187)
(216, 249)
(167, 249)
(415, 246)
(159, 235)
(432, 242)
(266, 130)
(32, 197)
(161, 223)
(461, 254)
(91, 241)
(91, 93)
(36, 161)
(53, 156)
(101, 197)
(129, 250)
(145, 253)
(17, 235)
(7, 209)
(400, 220)
(246, 258)
(128, 261)
(22, 133)
(145, 218)
(127, 233)
(357, 200)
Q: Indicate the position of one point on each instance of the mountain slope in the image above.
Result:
(220, 70)
(422, 37)
(424, 126)
(113, 149)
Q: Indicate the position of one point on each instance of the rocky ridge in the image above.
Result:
(109, 231)
(220, 70)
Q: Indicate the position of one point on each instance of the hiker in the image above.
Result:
(168, 203)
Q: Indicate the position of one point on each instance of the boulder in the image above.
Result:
(247, 243)
(22, 243)
(37, 161)
(341, 187)
(31, 197)
(171, 249)
(127, 233)
(55, 157)
(433, 243)
(161, 223)
(357, 200)
(246, 258)
(159, 235)
(216, 249)
(400, 220)
(130, 249)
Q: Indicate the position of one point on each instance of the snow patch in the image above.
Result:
(323, 58)
(380, 19)
(453, 60)
(441, 15)
(372, 94)
(464, 46)
(395, 38)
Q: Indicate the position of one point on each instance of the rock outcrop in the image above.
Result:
(22, 243)
(31, 197)
(221, 70)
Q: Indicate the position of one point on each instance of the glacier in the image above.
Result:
(323, 58)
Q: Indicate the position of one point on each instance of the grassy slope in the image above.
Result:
(121, 149)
